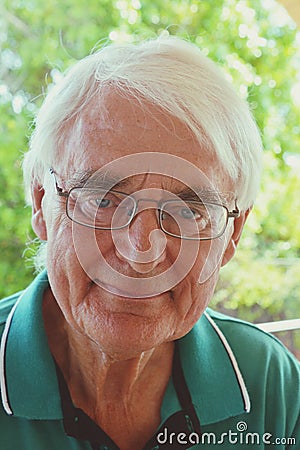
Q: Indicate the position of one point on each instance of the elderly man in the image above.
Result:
(142, 170)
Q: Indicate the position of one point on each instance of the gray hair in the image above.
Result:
(172, 74)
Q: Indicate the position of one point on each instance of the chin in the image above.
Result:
(125, 335)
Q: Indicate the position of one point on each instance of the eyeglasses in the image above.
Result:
(113, 210)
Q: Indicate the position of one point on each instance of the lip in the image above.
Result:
(123, 293)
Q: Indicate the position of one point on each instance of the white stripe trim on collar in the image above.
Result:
(3, 384)
(239, 376)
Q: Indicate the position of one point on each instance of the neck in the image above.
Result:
(122, 395)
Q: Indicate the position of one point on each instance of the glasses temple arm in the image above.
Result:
(59, 190)
(235, 213)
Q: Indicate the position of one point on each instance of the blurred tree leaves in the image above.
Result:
(258, 47)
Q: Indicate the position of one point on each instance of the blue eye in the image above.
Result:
(103, 202)
(188, 213)
(174, 209)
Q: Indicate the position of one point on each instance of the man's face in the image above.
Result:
(119, 289)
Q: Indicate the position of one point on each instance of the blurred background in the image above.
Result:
(257, 43)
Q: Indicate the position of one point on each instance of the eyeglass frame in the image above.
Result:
(235, 213)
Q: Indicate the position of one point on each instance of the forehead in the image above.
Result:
(128, 136)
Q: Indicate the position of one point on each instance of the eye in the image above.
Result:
(183, 211)
(103, 202)
(189, 213)
(95, 203)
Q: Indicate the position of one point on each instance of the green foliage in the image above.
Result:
(259, 49)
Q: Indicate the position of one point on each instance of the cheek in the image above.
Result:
(60, 249)
(191, 299)
(69, 282)
(193, 294)
(66, 275)
(92, 248)
(210, 259)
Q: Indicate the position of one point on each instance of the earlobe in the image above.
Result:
(37, 219)
(239, 223)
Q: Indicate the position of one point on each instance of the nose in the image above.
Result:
(142, 244)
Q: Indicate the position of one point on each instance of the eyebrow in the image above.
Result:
(91, 179)
(105, 180)
(199, 193)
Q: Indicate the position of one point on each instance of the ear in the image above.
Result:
(37, 219)
(239, 223)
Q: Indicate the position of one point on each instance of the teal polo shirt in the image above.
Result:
(243, 384)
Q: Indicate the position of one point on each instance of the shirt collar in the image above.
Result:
(212, 373)
(29, 382)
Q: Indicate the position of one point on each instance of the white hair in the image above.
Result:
(172, 74)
